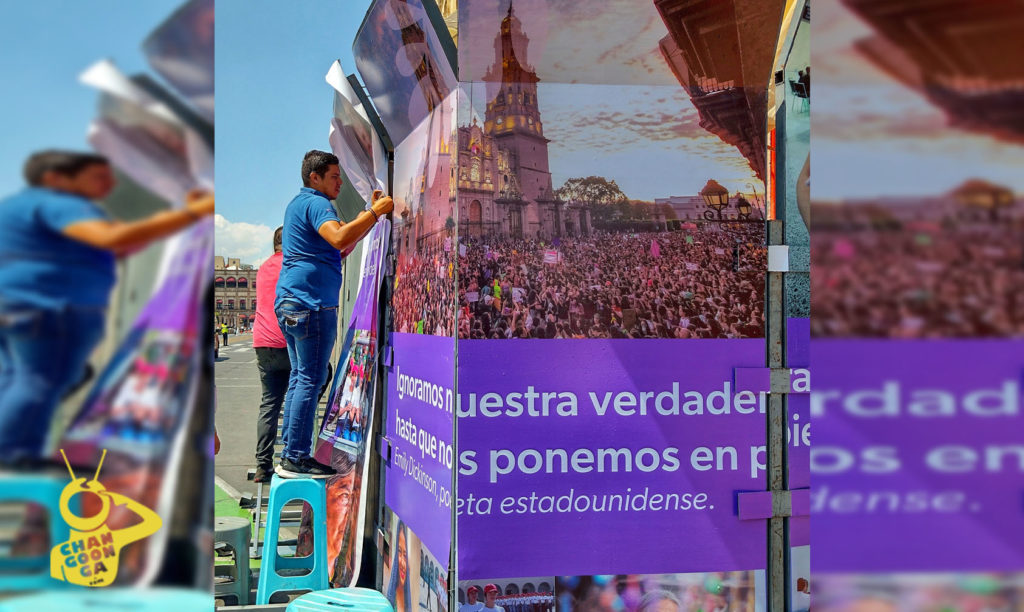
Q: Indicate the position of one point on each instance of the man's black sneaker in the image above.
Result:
(304, 468)
(263, 474)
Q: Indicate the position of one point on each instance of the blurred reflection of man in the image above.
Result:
(57, 253)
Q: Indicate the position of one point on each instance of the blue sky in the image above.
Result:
(44, 46)
(273, 105)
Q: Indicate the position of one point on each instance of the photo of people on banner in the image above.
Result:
(631, 285)
(137, 407)
(346, 421)
(547, 247)
(508, 595)
(707, 592)
(413, 579)
(424, 292)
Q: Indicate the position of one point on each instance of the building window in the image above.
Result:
(231, 283)
(243, 282)
(220, 304)
(218, 282)
(241, 305)
(254, 304)
(231, 304)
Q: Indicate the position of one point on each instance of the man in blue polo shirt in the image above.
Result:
(57, 254)
(313, 242)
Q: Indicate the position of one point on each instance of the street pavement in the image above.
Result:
(238, 403)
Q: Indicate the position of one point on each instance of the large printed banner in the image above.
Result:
(352, 137)
(343, 441)
(140, 405)
(904, 452)
(181, 50)
(403, 66)
(420, 426)
(573, 452)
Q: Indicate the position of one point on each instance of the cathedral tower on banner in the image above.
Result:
(504, 180)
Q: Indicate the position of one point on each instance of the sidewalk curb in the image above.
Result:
(224, 486)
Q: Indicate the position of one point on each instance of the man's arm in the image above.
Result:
(345, 236)
(119, 236)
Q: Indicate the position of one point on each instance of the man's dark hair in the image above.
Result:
(66, 163)
(277, 237)
(317, 161)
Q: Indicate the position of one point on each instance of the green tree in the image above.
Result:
(606, 200)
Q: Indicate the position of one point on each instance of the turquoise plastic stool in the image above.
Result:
(112, 599)
(283, 490)
(33, 573)
(353, 599)
(233, 531)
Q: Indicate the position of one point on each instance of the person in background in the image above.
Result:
(490, 597)
(314, 240)
(224, 332)
(57, 254)
(271, 361)
(471, 605)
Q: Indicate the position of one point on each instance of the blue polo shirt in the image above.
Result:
(40, 267)
(310, 266)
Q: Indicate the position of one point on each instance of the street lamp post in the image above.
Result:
(743, 207)
(716, 197)
(759, 201)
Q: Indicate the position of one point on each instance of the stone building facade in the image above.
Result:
(502, 174)
(234, 290)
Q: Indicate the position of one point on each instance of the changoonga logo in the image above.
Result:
(90, 556)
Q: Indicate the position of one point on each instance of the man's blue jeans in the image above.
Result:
(310, 336)
(42, 354)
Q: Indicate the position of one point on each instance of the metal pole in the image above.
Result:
(777, 577)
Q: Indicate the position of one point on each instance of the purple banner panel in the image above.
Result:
(798, 340)
(918, 455)
(593, 457)
(799, 437)
(421, 403)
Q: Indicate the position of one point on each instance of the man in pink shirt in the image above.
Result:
(271, 360)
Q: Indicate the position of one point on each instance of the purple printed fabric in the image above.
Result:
(420, 427)
(916, 469)
(577, 456)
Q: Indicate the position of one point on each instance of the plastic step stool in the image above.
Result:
(234, 531)
(33, 573)
(313, 491)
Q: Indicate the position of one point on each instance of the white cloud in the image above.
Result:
(248, 242)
